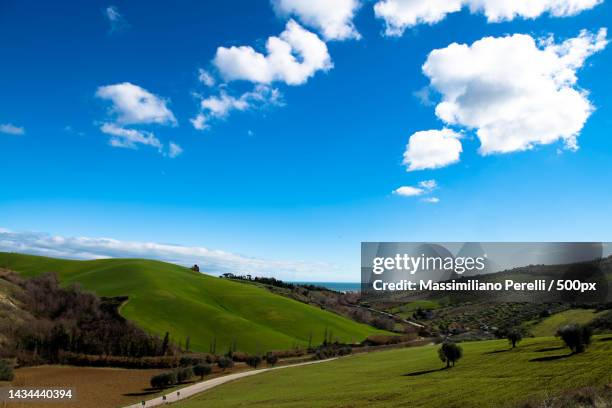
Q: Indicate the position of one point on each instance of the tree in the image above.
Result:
(187, 343)
(271, 359)
(576, 337)
(165, 344)
(202, 370)
(449, 353)
(253, 361)
(6, 371)
(184, 374)
(163, 380)
(225, 362)
(514, 336)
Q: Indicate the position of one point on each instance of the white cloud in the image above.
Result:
(333, 19)
(401, 14)
(431, 149)
(130, 138)
(431, 200)
(11, 129)
(174, 150)
(115, 19)
(210, 261)
(135, 105)
(428, 184)
(424, 187)
(206, 78)
(409, 191)
(220, 106)
(292, 58)
(515, 92)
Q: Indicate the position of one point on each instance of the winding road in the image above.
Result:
(197, 388)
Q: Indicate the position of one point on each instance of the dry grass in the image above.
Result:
(94, 387)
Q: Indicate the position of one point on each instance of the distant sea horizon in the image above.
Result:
(337, 286)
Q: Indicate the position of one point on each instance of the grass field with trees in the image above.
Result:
(490, 374)
(210, 311)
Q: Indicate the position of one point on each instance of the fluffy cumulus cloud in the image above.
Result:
(401, 14)
(10, 129)
(220, 106)
(431, 149)
(514, 91)
(135, 105)
(333, 19)
(210, 261)
(293, 57)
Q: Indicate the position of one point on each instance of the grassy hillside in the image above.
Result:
(489, 375)
(166, 297)
(549, 326)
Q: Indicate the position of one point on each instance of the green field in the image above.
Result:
(489, 375)
(549, 326)
(167, 297)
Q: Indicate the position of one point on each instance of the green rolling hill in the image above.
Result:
(167, 297)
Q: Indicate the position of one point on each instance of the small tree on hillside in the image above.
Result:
(184, 374)
(271, 358)
(253, 361)
(165, 344)
(449, 353)
(202, 370)
(576, 337)
(515, 335)
(225, 362)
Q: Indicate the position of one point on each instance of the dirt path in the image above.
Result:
(197, 388)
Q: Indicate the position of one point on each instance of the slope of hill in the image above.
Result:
(489, 375)
(167, 297)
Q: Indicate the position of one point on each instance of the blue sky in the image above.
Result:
(304, 176)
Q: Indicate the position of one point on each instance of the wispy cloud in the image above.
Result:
(211, 261)
(115, 19)
(11, 129)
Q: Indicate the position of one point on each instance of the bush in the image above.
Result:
(271, 359)
(163, 380)
(576, 337)
(6, 371)
(449, 353)
(225, 362)
(202, 370)
(184, 374)
(253, 361)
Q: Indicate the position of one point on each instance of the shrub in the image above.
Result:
(253, 361)
(6, 371)
(163, 380)
(449, 353)
(271, 358)
(225, 362)
(184, 374)
(202, 370)
(576, 337)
